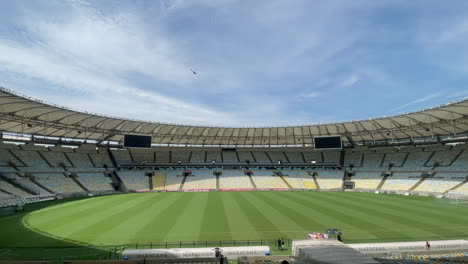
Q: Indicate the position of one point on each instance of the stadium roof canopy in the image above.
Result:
(19, 114)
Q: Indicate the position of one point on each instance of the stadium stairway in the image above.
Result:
(182, 183)
(39, 184)
(457, 186)
(118, 181)
(18, 185)
(150, 182)
(316, 181)
(75, 179)
(159, 181)
(423, 178)
(280, 174)
(217, 181)
(252, 182)
(456, 157)
(384, 179)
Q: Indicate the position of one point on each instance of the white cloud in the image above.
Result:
(350, 81)
(419, 100)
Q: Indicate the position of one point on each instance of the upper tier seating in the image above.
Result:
(182, 156)
(213, 156)
(230, 157)
(122, 156)
(80, 160)
(198, 157)
(56, 158)
(261, 157)
(373, 160)
(396, 158)
(100, 159)
(461, 163)
(6, 156)
(313, 156)
(31, 158)
(331, 157)
(294, 157)
(245, 156)
(415, 161)
(443, 158)
(234, 179)
(162, 157)
(276, 156)
(143, 155)
(354, 159)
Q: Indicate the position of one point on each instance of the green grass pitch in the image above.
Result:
(156, 217)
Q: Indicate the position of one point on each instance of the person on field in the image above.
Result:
(278, 243)
(282, 244)
(428, 246)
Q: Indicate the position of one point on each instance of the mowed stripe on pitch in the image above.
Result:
(189, 223)
(239, 222)
(96, 225)
(421, 223)
(155, 217)
(56, 216)
(66, 224)
(215, 222)
(281, 222)
(391, 225)
(353, 226)
(124, 227)
(257, 219)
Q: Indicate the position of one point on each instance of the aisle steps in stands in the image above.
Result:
(45, 160)
(39, 184)
(150, 182)
(75, 179)
(112, 158)
(457, 186)
(316, 182)
(429, 159)
(423, 177)
(456, 157)
(17, 158)
(217, 181)
(18, 185)
(384, 179)
(182, 183)
(252, 181)
(280, 174)
(118, 181)
(159, 181)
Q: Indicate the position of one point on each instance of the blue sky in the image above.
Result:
(258, 63)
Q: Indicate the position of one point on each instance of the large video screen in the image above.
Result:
(136, 141)
(333, 142)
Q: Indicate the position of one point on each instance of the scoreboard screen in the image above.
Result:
(333, 142)
(136, 141)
